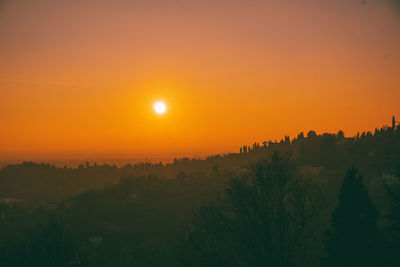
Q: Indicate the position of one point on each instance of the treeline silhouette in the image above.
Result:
(296, 202)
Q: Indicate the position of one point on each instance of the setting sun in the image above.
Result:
(160, 107)
(226, 133)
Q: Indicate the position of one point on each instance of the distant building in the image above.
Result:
(134, 196)
(389, 177)
(10, 201)
(96, 241)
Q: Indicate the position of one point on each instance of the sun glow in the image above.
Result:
(160, 107)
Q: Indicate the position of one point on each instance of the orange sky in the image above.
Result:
(79, 78)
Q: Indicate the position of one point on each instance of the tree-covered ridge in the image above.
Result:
(294, 203)
(377, 152)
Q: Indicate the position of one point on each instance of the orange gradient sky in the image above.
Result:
(79, 78)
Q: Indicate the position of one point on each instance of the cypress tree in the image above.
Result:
(394, 228)
(354, 239)
(394, 123)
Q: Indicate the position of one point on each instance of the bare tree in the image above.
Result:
(262, 219)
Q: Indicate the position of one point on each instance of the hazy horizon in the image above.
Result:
(122, 159)
(80, 78)
(199, 133)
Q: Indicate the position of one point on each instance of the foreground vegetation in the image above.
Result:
(296, 202)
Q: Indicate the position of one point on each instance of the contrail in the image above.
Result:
(48, 83)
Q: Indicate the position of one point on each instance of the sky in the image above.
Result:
(79, 78)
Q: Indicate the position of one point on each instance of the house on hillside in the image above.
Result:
(10, 201)
(389, 177)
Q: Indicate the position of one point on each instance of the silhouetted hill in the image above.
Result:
(375, 152)
(148, 214)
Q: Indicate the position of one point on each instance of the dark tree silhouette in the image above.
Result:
(311, 134)
(394, 123)
(394, 228)
(49, 245)
(216, 169)
(260, 221)
(354, 239)
(340, 135)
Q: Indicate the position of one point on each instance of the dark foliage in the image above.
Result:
(394, 227)
(274, 214)
(261, 220)
(354, 239)
(48, 245)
